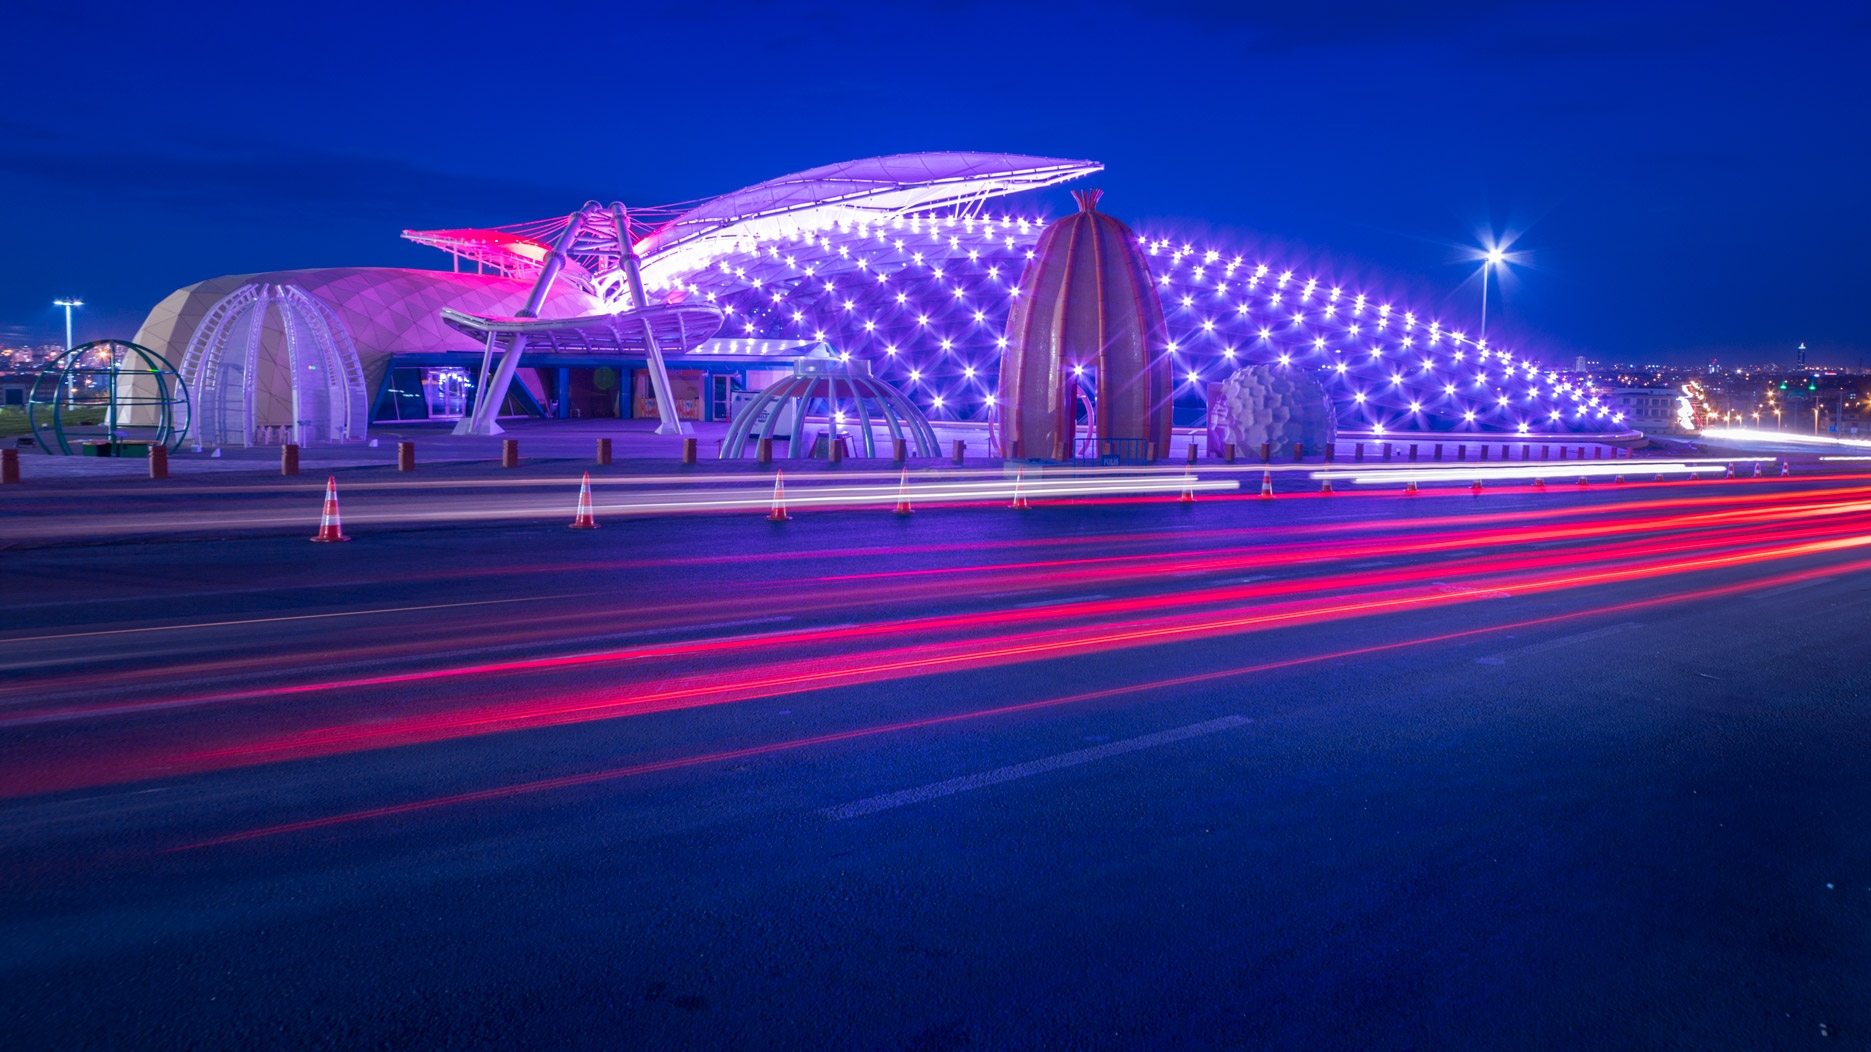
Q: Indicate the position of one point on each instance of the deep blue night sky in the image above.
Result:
(1687, 181)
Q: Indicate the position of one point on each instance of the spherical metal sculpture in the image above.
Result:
(108, 398)
(1276, 405)
(1087, 307)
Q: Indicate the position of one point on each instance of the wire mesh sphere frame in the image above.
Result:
(111, 396)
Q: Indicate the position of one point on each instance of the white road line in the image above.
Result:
(1554, 644)
(1785, 588)
(1022, 770)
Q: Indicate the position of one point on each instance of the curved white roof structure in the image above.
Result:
(847, 194)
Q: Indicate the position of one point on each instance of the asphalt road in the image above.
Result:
(1553, 769)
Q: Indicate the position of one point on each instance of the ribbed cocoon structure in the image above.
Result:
(1086, 300)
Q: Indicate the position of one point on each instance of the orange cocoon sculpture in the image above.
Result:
(1087, 302)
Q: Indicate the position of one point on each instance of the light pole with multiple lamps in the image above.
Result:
(68, 305)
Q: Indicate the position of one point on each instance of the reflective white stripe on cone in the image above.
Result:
(903, 495)
(778, 514)
(1019, 498)
(584, 520)
(329, 528)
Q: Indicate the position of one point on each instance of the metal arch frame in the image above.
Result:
(208, 345)
(159, 368)
(339, 356)
(898, 413)
(206, 349)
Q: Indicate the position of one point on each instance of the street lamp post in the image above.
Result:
(68, 305)
(1493, 259)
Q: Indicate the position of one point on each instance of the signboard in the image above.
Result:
(685, 385)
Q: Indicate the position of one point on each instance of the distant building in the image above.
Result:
(1648, 409)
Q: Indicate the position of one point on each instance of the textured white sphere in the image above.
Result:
(1279, 405)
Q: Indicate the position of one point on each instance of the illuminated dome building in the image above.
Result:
(901, 262)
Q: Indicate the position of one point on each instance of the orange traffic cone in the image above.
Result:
(1325, 488)
(778, 514)
(1659, 477)
(1188, 489)
(1785, 469)
(1619, 481)
(1019, 498)
(903, 495)
(1266, 484)
(1757, 469)
(329, 529)
(1583, 481)
(1475, 487)
(1731, 472)
(584, 520)
(1539, 483)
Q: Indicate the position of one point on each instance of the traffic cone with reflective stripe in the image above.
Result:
(1619, 481)
(1659, 477)
(1757, 469)
(1188, 489)
(778, 514)
(584, 520)
(1785, 469)
(1539, 483)
(1731, 472)
(1583, 481)
(903, 495)
(1409, 488)
(329, 529)
(1266, 484)
(1475, 487)
(1019, 498)
(1325, 488)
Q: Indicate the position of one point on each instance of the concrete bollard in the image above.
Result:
(1484, 453)
(1438, 451)
(1386, 452)
(1461, 451)
(899, 450)
(604, 452)
(1412, 452)
(1266, 452)
(1526, 452)
(159, 461)
(961, 450)
(289, 459)
(835, 450)
(509, 452)
(764, 451)
(1149, 452)
(1357, 452)
(405, 456)
(9, 466)
(688, 451)
(1331, 452)
(1227, 453)
(1544, 451)
(1192, 450)
(1299, 452)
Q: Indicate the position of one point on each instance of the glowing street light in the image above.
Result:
(68, 305)
(1494, 256)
